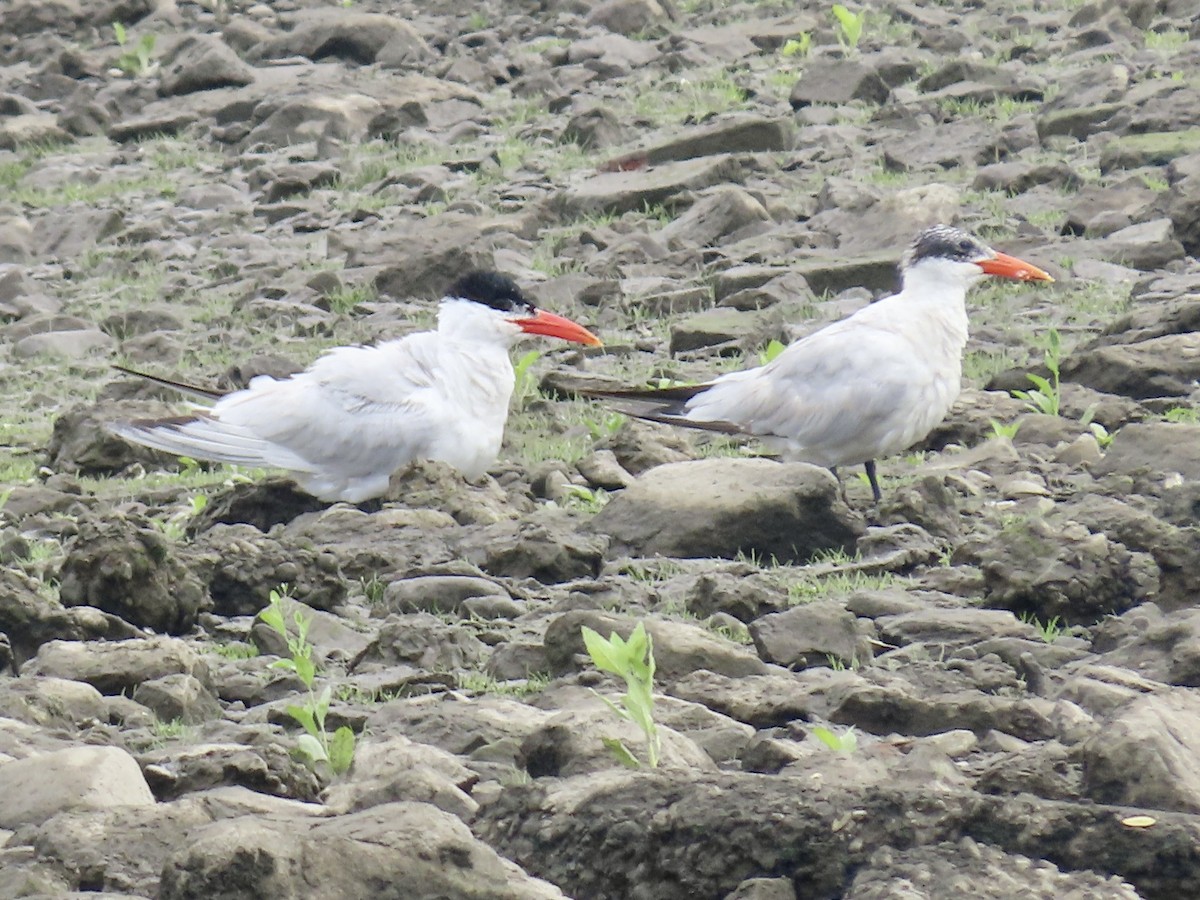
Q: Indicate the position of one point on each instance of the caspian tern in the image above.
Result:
(864, 387)
(342, 426)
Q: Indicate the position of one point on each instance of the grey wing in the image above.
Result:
(356, 407)
(840, 396)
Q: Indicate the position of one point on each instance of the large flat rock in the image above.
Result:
(723, 507)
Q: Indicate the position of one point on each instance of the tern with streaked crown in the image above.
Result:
(862, 388)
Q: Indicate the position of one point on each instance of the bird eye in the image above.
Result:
(965, 246)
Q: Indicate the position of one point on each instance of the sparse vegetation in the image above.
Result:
(849, 25)
(1046, 396)
(846, 742)
(316, 745)
(633, 661)
(137, 59)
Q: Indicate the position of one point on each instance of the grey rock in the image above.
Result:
(386, 771)
(739, 133)
(266, 766)
(16, 236)
(719, 214)
(611, 55)
(595, 128)
(117, 666)
(354, 36)
(179, 697)
(679, 648)
(1145, 245)
(763, 889)
(722, 325)
(425, 641)
(539, 826)
(951, 628)
(602, 470)
(620, 192)
(547, 547)
(1154, 448)
(627, 17)
(51, 702)
(837, 81)
(65, 234)
(29, 619)
(342, 116)
(1019, 177)
(571, 742)
(131, 571)
(982, 871)
(1146, 755)
(202, 63)
(33, 128)
(743, 596)
(404, 845)
(240, 566)
(1165, 648)
(34, 789)
(438, 593)
(1076, 122)
(1165, 366)
(882, 709)
(1059, 568)
(722, 507)
(813, 634)
(64, 344)
(1132, 151)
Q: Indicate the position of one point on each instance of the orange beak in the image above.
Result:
(550, 325)
(1005, 266)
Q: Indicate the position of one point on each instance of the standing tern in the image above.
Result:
(864, 387)
(342, 426)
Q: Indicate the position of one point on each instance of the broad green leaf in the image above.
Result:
(621, 752)
(600, 651)
(286, 664)
(273, 618)
(305, 670)
(304, 716)
(311, 747)
(826, 737)
(341, 749)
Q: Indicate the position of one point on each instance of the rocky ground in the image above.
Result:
(980, 688)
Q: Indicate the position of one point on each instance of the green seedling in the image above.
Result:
(632, 660)
(769, 352)
(1046, 396)
(797, 46)
(605, 427)
(1101, 434)
(1182, 415)
(850, 25)
(525, 384)
(846, 742)
(1001, 430)
(1048, 631)
(586, 498)
(138, 59)
(316, 745)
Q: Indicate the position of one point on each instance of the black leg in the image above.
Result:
(869, 465)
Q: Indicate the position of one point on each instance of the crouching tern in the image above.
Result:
(342, 426)
(862, 388)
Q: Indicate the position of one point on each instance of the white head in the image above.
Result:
(487, 306)
(951, 256)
